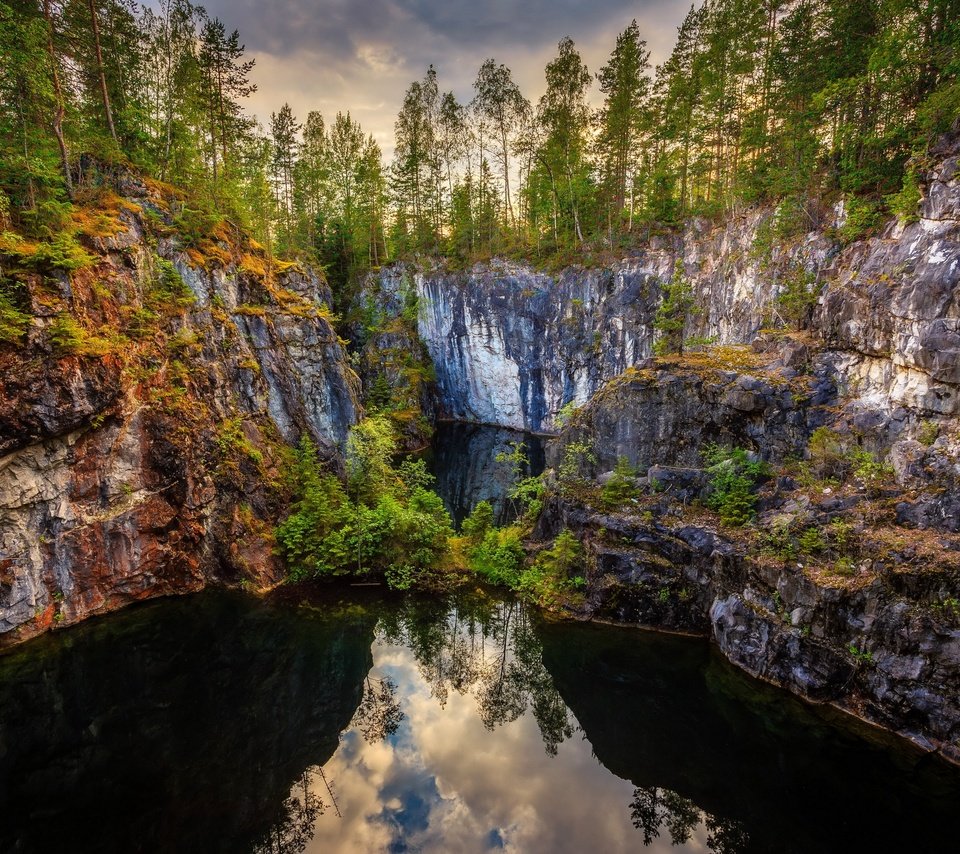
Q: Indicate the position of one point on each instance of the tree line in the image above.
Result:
(792, 102)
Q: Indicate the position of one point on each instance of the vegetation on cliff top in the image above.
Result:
(793, 105)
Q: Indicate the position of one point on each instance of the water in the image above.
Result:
(347, 721)
(463, 459)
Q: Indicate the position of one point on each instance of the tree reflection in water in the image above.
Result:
(378, 715)
(294, 827)
(488, 648)
(653, 808)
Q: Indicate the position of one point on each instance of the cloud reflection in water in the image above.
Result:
(479, 754)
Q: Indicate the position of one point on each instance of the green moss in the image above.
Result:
(13, 322)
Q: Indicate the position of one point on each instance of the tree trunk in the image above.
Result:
(104, 94)
(59, 111)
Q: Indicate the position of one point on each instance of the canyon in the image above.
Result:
(152, 467)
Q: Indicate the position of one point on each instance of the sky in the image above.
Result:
(361, 55)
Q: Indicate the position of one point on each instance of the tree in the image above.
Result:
(284, 129)
(623, 118)
(225, 78)
(500, 105)
(417, 164)
(565, 117)
(676, 303)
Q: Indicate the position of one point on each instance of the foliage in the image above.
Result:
(528, 493)
(14, 323)
(863, 216)
(552, 576)
(565, 413)
(478, 523)
(386, 519)
(70, 338)
(498, 557)
(574, 468)
(797, 296)
(621, 487)
(794, 106)
(676, 305)
(733, 476)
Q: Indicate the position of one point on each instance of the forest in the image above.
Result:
(797, 104)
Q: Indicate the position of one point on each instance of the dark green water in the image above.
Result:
(355, 723)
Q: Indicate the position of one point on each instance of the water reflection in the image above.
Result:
(184, 725)
(355, 722)
(463, 459)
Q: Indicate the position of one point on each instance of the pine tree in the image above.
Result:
(623, 119)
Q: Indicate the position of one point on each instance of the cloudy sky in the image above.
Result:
(360, 55)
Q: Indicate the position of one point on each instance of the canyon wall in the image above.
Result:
(144, 414)
(512, 345)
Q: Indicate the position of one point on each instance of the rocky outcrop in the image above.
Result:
(893, 303)
(143, 412)
(668, 412)
(883, 647)
(512, 345)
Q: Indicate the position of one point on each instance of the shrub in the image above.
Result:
(388, 519)
(675, 307)
(498, 557)
(70, 338)
(733, 476)
(797, 296)
(13, 322)
(551, 577)
(565, 413)
(578, 457)
(929, 433)
(621, 487)
(826, 455)
(863, 217)
(528, 495)
(478, 523)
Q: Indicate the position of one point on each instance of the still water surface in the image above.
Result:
(348, 721)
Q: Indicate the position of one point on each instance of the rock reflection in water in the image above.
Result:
(178, 726)
(752, 766)
(360, 722)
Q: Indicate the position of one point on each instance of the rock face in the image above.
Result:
(512, 345)
(667, 414)
(139, 453)
(879, 648)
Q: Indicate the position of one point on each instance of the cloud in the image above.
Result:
(360, 55)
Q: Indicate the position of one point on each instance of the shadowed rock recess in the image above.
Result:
(149, 466)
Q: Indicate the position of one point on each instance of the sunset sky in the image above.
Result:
(360, 55)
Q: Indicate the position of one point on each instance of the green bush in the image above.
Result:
(621, 487)
(797, 296)
(498, 557)
(733, 476)
(13, 322)
(478, 523)
(69, 338)
(676, 305)
(387, 519)
(578, 458)
(864, 216)
(554, 574)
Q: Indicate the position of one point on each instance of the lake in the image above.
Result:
(345, 719)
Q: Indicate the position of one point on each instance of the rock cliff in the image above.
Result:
(144, 411)
(512, 345)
